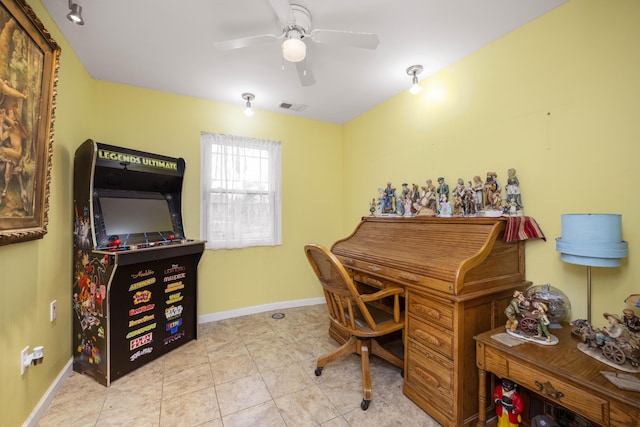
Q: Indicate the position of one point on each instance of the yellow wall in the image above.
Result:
(311, 186)
(556, 99)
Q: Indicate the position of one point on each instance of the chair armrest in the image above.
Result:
(381, 294)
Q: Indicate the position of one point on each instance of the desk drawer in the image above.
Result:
(431, 336)
(430, 374)
(431, 310)
(572, 398)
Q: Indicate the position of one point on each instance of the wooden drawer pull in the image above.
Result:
(348, 261)
(549, 390)
(374, 268)
(428, 311)
(427, 337)
(408, 276)
(427, 377)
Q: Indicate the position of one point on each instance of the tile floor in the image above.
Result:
(247, 371)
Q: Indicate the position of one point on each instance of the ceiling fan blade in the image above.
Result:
(282, 8)
(346, 38)
(246, 41)
(304, 73)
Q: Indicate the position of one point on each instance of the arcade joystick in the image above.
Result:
(172, 237)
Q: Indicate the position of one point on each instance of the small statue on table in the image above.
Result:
(509, 405)
(388, 199)
(513, 190)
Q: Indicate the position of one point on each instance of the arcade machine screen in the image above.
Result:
(134, 218)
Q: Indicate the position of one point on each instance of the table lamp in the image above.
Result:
(594, 240)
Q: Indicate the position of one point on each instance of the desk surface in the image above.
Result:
(568, 370)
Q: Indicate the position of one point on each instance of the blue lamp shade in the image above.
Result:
(592, 239)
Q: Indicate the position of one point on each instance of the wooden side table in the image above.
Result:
(561, 374)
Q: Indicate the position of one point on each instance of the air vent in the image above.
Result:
(293, 107)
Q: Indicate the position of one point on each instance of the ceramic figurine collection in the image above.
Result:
(473, 198)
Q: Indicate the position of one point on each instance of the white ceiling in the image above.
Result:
(168, 45)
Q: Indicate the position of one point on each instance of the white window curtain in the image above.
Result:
(240, 205)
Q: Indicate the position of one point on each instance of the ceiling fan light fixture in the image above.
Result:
(413, 71)
(75, 14)
(294, 49)
(248, 97)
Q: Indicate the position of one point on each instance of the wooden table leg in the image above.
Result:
(482, 398)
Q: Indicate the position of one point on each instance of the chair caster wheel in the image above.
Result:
(364, 404)
(318, 371)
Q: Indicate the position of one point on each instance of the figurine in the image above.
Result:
(372, 207)
(630, 320)
(431, 195)
(469, 200)
(457, 204)
(444, 206)
(388, 199)
(513, 189)
(614, 345)
(540, 311)
(478, 188)
(611, 333)
(509, 404)
(443, 187)
(513, 310)
(491, 190)
(408, 202)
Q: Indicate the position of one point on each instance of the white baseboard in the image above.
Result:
(206, 318)
(42, 406)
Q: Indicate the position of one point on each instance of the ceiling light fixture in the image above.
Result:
(75, 15)
(293, 48)
(414, 70)
(248, 97)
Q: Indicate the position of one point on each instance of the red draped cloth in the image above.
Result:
(522, 228)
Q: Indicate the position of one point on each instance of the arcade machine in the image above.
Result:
(135, 272)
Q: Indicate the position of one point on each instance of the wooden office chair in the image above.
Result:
(355, 314)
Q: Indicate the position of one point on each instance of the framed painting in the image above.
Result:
(29, 61)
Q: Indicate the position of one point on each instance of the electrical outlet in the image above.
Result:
(53, 311)
(24, 360)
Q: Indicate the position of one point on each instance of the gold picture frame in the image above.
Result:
(29, 62)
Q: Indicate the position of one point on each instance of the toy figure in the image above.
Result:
(431, 196)
(443, 187)
(612, 332)
(490, 189)
(478, 187)
(407, 204)
(631, 321)
(388, 199)
(541, 310)
(445, 206)
(469, 200)
(513, 189)
(513, 310)
(509, 404)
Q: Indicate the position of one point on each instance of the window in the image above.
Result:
(240, 205)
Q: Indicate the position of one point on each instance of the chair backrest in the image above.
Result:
(340, 292)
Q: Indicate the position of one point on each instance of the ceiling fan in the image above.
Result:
(296, 32)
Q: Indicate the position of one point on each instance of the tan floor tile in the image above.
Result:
(269, 358)
(184, 381)
(144, 415)
(286, 380)
(241, 394)
(307, 407)
(265, 414)
(190, 409)
(232, 368)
